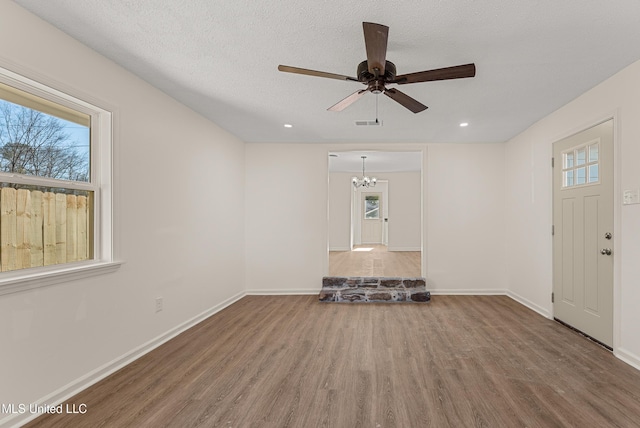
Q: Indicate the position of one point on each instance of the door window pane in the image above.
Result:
(580, 165)
(372, 207)
(593, 173)
(568, 160)
(593, 153)
(568, 178)
(581, 175)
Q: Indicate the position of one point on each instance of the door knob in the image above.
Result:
(605, 251)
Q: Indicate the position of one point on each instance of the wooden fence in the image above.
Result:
(42, 228)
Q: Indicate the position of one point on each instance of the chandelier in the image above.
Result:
(364, 181)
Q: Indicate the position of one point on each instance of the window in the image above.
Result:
(580, 165)
(372, 207)
(55, 168)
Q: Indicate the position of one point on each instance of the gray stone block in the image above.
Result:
(351, 297)
(391, 282)
(327, 297)
(353, 282)
(380, 296)
(421, 296)
(334, 281)
(413, 282)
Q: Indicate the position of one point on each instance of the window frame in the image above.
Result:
(100, 183)
(574, 168)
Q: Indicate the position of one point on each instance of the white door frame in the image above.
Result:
(617, 217)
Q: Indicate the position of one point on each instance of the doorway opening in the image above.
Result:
(375, 231)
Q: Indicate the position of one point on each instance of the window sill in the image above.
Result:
(17, 281)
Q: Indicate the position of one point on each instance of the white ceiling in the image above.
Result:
(221, 57)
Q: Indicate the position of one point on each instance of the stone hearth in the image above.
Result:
(373, 289)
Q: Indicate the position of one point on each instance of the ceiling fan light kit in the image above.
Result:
(376, 72)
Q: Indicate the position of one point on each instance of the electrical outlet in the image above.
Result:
(158, 304)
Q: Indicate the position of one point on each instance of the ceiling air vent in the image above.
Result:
(369, 122)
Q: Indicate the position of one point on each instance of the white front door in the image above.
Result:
(583, 231)
(371, 221)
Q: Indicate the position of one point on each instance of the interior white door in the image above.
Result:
(371, 220)
(583, 231)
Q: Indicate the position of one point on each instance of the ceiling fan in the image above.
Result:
(376, 72)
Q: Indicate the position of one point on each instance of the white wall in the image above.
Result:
(405, 216)
(287, 240)
(529, 194)
(404, 209)
(340, 193)
(179, 216)
(286, 217)
(465, 218)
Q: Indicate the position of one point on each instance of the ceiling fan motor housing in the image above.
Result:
(376, 85)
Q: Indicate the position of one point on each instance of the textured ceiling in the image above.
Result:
(221, 57)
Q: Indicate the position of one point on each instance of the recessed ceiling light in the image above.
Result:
(288, 125)
(463, 124)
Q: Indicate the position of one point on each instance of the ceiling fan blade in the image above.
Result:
(341, 105)
(375, 40)
(456, 72)
(298, 70)
(404, 99)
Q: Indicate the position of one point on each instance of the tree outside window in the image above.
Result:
(37, 144)
(372, 207)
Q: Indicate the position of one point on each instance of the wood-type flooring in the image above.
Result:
(291, 361)
(374, 260)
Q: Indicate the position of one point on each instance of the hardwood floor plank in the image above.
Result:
(291, 361)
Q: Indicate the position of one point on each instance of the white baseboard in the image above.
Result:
(465, 292)
(404, 249)
(339, 249)
(529, 304)
(628, 357)
(83, 382)
(279, 292)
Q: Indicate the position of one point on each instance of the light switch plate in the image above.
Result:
(631, 197)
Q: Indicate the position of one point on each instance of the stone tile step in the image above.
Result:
(374, 289)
